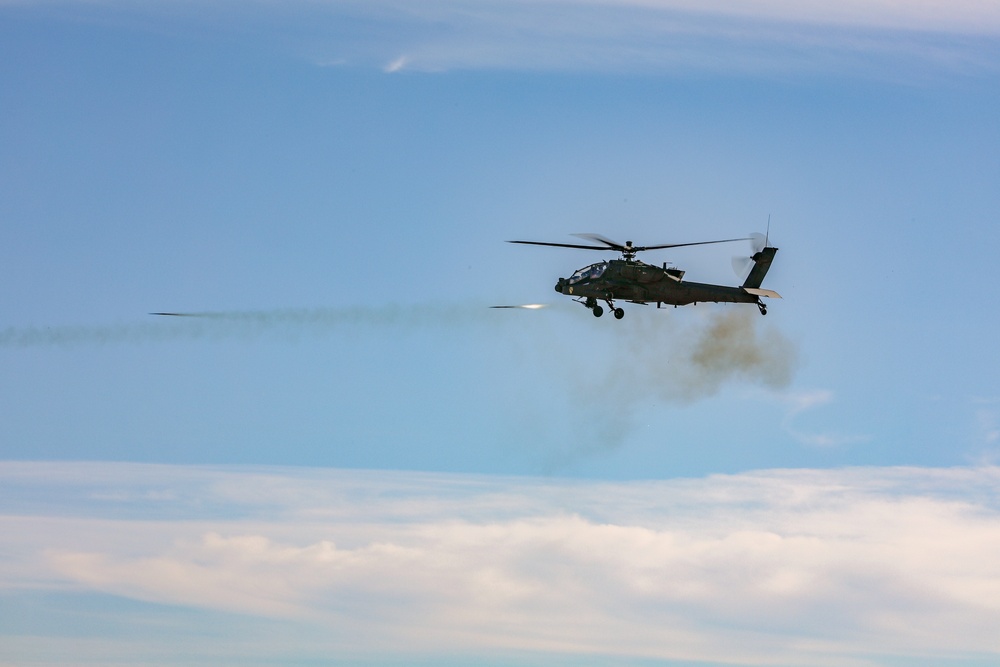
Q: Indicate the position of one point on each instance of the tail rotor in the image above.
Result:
(743, 264)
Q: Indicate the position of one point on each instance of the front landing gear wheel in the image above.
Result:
(619, 313)
(598, 311)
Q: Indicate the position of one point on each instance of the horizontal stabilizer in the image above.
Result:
(756, 291)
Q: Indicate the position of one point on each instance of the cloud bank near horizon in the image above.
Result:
(806, 567)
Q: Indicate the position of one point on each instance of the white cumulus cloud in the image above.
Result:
(802, 567)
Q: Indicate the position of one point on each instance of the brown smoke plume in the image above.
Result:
(734, 347)
(655, 360)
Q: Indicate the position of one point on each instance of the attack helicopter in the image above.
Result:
(628, 279)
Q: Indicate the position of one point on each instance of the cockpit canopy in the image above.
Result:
(591, 272)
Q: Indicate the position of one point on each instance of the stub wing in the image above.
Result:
(756, 291)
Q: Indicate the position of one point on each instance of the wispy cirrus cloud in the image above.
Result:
(988, 420)
(801, 567)
(973, 16)
(732, 36)
(803, 401)
(986, 428)
(749, 36)
(960, 16)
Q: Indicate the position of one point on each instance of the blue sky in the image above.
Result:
(335, 182)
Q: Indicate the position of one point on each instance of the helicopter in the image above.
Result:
(631, 280)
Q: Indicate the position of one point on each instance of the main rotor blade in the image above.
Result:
(564, 245)
(681, 245)
(611, 245)
(614, 245)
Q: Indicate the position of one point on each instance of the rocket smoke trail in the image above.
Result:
(237, 324)
(649, 356)
(605, 375)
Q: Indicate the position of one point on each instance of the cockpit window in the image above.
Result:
(589, 273)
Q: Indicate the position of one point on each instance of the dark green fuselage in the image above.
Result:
(638, 282)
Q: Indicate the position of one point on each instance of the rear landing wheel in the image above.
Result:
(763, 308)
(598, 311)
(619, 313)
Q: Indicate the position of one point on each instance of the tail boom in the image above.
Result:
(761, 263)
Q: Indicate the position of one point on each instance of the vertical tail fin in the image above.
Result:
(761, 263)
